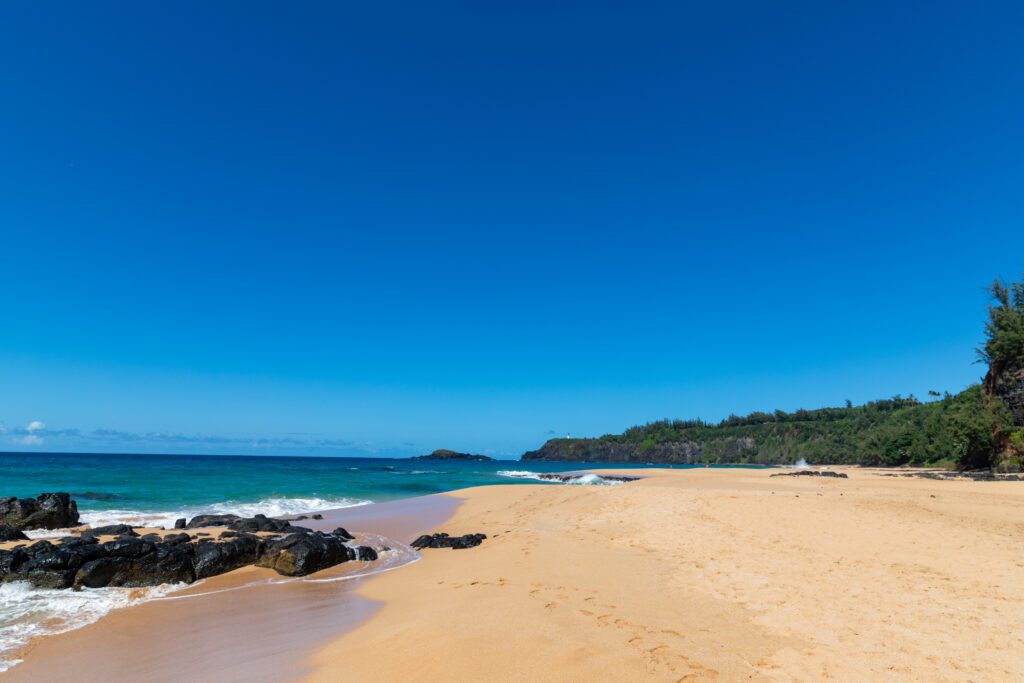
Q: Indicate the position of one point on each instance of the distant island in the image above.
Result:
(980, 427)
(445, 454)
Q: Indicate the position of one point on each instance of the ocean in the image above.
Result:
(154, 490)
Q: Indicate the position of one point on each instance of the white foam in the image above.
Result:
(27, 612)
(271, 507)
(588, 479)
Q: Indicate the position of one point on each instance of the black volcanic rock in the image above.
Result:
(444, 454)
(365, 554)
(813, 473)
(109, 530)
(180, 523)
(218, 557)
(443, 540)
(47, 511)
(300, 554)
(9, 533)
(263, 523)
(210, 520)
(130, 560)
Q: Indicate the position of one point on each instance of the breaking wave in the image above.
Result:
(585, 479)
(27, 612)
(271, 507)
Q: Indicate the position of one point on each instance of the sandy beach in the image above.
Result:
(686, 574)
(708, 574)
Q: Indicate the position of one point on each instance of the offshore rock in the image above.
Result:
(47, 511)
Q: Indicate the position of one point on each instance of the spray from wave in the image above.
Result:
(585, 479)
(271, 507)
(27, 612)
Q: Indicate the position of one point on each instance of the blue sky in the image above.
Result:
(337, 228)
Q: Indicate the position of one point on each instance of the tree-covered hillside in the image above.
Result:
(981, 426)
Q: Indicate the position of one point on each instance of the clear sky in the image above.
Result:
(383, 228)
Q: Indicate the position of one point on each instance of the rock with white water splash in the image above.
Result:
(813, 473)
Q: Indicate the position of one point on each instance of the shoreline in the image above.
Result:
(249, 624)
(705, 574)
(684, 573)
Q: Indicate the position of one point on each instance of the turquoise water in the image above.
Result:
(155, 490)
(159, 488)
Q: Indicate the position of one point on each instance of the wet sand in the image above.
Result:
(259, 627)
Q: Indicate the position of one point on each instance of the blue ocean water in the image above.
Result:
(158, 488)
(154, 490)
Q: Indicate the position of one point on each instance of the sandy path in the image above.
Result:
(699, 574)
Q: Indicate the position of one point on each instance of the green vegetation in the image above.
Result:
(896, 431)
(982, 426)
(1004, 330)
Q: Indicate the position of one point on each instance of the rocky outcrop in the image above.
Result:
(443, 540)
(109, 530)
(130, 560)
(569, 477)
(9, 533)
(217, 557)
(300, 554)
(812, 473)
(444, 454)
(47, 511)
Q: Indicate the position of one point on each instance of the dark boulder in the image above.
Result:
(11, 562)
(177, 538)
(180, 523)
(210, 520)
(218, 557)
(47, 511)
(443, 540)
(54, 566)
(365, 554)
(344, 535)
(9, 533)
(300, 554)
(134, 562)
(263, 523)
(109, 530)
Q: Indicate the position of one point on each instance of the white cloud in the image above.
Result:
(30, 440)
(35, 426)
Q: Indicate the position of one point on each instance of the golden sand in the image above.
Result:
(708, 573)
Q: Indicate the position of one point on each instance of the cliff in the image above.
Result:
(954, 429)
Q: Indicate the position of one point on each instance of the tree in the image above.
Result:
(1004, 329)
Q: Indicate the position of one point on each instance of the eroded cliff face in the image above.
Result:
(594, 450)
